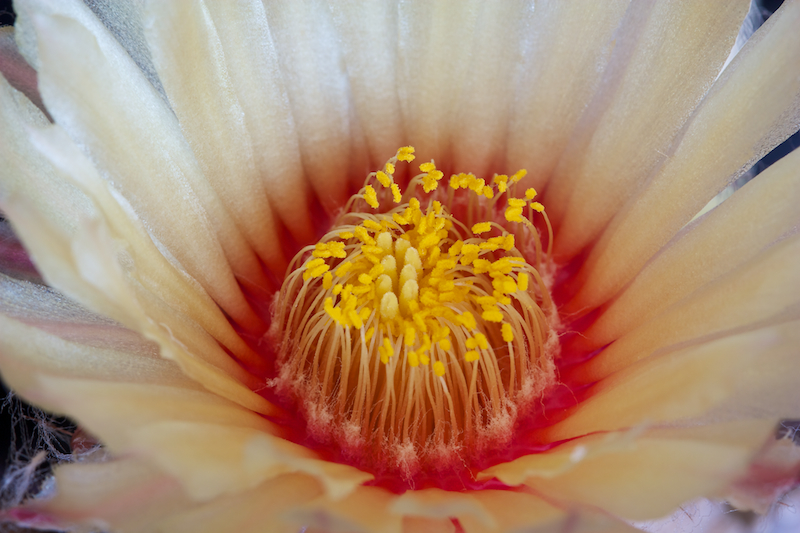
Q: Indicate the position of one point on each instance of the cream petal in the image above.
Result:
(738, 230)
(184, 40)
(151, 269)
(175, 200)
(253, 511)
(211, 445)
(124, 494)
(86, 267)
(763, 291)
(659, 71)
(557, 78)
(26, 172)
(481, 107)
(759, 89)
(748, 374)
(644, 477)
(125, 20)
(434, 63)
(331, 143)
(255, 75)
(481, 511)
(40, 330)
(368, 33)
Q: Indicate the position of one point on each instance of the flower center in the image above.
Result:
(417, 330)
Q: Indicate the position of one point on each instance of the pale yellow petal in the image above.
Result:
(482, 106)
(765, 290)
(368, 32)
(175, 200)
(86, 267)
(124, 494)
(432, 66)
(746, 224)
(40, 330)
(183, 41)
(643, 477)
(257, 510)
(557, 79)
(759, 88)
(150, 268)
(748, 374)
(332, 145)
(657, 75)
(255, 75)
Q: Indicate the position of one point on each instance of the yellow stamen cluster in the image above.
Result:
(398, 287)
(412, 276)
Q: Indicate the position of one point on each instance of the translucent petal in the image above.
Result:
(557, 78)
(636, 112)
(742, 228)
(759, 89)
(183, 40)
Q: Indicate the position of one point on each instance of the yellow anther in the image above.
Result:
(438, 368)
(471, 356)
(427, 167)
(406, 153)
(492, 315)
(518, 175)
(468, 320)
(397, 196)
(507, 332)
(372, 225)
(383, 178)
(389, 168)
(514, 214)
(530, 194)
(409, 336)
(413, 359)
(370, 333)
(327, 281)
(481, 227)
(508, 242)
(344, 269)
(386, 351)
(488, 192)
(364, 279)
(445, 345)
(522, 281)
(355, 319)
(516, 202)
(389, 306)
(471, 343)
(536, 206)
(371, 197)
(337, 289)
(401, 246)
(483, 344)
(346, 235)
(363, 236)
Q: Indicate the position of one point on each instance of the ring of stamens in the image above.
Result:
(411, 334)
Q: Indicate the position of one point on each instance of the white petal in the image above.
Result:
(184, 41)
(255, 73)
(753, 106)
(740, 229)
(557, 79)
(78, 60)
(331, 144)
(658, 73)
